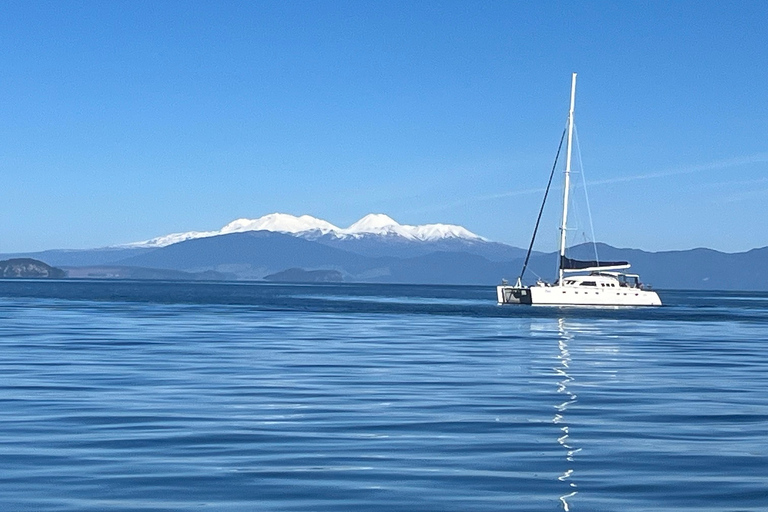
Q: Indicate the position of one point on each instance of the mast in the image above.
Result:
(567, 185)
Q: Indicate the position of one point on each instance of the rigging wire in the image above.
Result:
(541, 210)
(586, 195)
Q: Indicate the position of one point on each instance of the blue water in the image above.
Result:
(200, 396)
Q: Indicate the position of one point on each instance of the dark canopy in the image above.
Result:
(569, 264)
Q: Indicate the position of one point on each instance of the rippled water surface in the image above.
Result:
(189, 396)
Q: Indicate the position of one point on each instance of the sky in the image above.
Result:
(125, 120)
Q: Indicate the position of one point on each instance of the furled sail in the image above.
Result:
(571, 264)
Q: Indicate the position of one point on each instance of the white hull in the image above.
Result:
(576, 296)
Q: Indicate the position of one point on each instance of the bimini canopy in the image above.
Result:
(570, 265)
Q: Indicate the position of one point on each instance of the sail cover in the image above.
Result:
(571, 264)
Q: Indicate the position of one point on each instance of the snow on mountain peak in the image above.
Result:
(281, 223)
(438, 231)
(380, 224)
(377, 224)
(372, 221)
(310, 227)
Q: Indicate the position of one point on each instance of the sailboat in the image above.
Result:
(579, 283)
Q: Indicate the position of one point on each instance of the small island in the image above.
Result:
(299, 275)
(27, 268)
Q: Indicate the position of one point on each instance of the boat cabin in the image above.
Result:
(604, 280)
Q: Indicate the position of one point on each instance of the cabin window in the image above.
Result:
(630, 281)
(588, 283)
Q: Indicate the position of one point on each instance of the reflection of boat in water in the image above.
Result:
(580, 283)
(564, 357)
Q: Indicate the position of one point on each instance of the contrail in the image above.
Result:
(710, 166)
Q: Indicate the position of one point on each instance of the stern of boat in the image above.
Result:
(506, 294)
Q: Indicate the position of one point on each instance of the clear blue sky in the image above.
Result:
(120, 121)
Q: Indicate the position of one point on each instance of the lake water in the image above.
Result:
(204, 396)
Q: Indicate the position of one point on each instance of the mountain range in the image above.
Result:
(378, 249)
(376, 224)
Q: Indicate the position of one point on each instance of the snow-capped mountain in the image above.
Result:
(380, 224)
(306, 226)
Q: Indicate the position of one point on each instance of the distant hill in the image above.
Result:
(125, 272)
(253, 255)
(29, 268)
(445, 268)
(81, 257)
(298, 275)
(400, 247)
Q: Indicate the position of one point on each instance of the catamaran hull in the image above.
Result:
(572, 296)
(513, 295)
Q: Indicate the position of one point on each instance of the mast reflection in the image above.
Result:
(564, 357)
